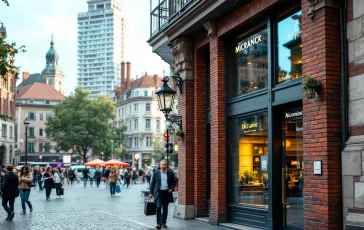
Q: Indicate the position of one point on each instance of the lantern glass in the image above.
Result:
(310, 93)
(26, 122)
(165, 97)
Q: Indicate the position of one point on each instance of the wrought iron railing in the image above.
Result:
(167, 11)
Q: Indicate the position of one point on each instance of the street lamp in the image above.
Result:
(102, 155)
(26, 124)
(165, 98)
(112, 149)
(40, 158)
(137, 160)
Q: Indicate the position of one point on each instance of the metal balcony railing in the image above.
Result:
(166, 11)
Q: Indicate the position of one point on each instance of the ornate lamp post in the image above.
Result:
(26, 124)
(136, 158)
(165, 98)
(40, 158)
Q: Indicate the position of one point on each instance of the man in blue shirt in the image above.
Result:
(92, 175)
(161, 187)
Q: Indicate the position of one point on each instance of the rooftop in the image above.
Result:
(39, 91)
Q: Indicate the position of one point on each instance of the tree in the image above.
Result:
(174, 158)
(104, 144)
(6, 2)
(159, 152)
(79, 123)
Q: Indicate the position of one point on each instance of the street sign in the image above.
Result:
(66, 159)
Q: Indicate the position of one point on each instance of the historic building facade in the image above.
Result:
(259, 151)
(137, 108)
(36, 95)
(7, 110)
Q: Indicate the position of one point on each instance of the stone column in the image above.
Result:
(218, 131)
(352, 156)
(321, 115)
(182, 51)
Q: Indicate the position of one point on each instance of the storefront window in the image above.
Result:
(249, 70)
(249, 160)
(289, 48)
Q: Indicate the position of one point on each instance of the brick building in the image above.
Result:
(260, 153)
(7, 111)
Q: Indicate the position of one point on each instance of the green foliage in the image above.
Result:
(79, 123)
(7, 55)
(6, 2)
(6, 117)
(178, 133)
(249, 176)
(159, 151)
(174, 158)
(311, 83)
(104, 143)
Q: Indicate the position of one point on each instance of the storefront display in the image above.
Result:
(250, 160)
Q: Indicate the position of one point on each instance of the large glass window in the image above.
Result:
(249, 160)
(289, 48)
(249, 70)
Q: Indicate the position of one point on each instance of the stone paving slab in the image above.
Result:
(92, 208)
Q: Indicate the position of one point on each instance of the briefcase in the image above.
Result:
(150, 207)
(62, 192)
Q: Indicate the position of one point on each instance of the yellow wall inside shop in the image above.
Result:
(245, 158)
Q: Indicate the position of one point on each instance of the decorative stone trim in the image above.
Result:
(315, 5)
(182, 51)
(210, 26)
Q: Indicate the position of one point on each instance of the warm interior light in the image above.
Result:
(293, 162)
(249, 63)
(288, 143)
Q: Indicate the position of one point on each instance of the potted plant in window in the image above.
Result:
(249, 176)
(179, 134)
(311, 86)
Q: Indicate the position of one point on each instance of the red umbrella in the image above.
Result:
(95, 162)
(114, 162)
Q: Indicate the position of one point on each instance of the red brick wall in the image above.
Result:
(200, 133)
(186, 146)
(321, 119)
(218, 131)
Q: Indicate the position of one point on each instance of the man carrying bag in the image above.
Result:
(161, 187)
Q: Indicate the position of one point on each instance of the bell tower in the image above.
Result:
(52, 73)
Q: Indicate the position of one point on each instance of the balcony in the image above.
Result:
(166, 11)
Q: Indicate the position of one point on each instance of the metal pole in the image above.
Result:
(26, 145)
(167, 143)
(112, 149)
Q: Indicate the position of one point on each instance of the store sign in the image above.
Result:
(293, 114)
(66, 159)
(317, 167)
(249, 127)
(246, 45)
(146, 157)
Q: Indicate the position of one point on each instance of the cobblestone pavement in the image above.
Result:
(92, 208)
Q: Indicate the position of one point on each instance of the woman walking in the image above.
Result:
(40, 178)
(113, 179)
(48, 180)
(71, 176)
(58, 178)
(24, 180)
(98, 176)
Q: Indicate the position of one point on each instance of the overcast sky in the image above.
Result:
(31, 23)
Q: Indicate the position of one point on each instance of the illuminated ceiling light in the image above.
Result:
(249, 63)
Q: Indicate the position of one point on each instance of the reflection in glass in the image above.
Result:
(294, 172)
(290, 48)
(250, 160)
(250, 70)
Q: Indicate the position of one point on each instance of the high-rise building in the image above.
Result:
(101, 43)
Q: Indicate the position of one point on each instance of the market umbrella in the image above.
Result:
(95, 162)
(114, 162)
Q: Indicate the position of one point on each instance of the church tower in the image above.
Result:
(52, 73)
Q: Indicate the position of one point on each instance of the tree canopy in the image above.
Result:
(79, 123)
(159, 152)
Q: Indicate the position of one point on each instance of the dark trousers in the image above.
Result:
(98, 180)
(5, 201)
(112, 188)
(40, 183)
(58, 188)
(48, 192)
(162, 201)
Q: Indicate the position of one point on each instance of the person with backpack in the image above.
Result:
(71, 176)
(127, 176)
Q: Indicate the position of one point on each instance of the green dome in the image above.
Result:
(52, 53)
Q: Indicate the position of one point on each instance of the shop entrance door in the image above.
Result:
(292, 174)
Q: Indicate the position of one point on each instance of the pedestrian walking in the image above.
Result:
(85, 176)
(24, 180)
(133, 176)
(127, 176)
(113, 179)
(58, 178)
(107, 173)
(98, 176)
(92, 175)
(40, 178)
(161, 187)
(10, 191)
(48, 180)
(71, 176)
(1, 181)
(34, 173)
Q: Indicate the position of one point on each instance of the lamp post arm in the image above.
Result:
(175, 119)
